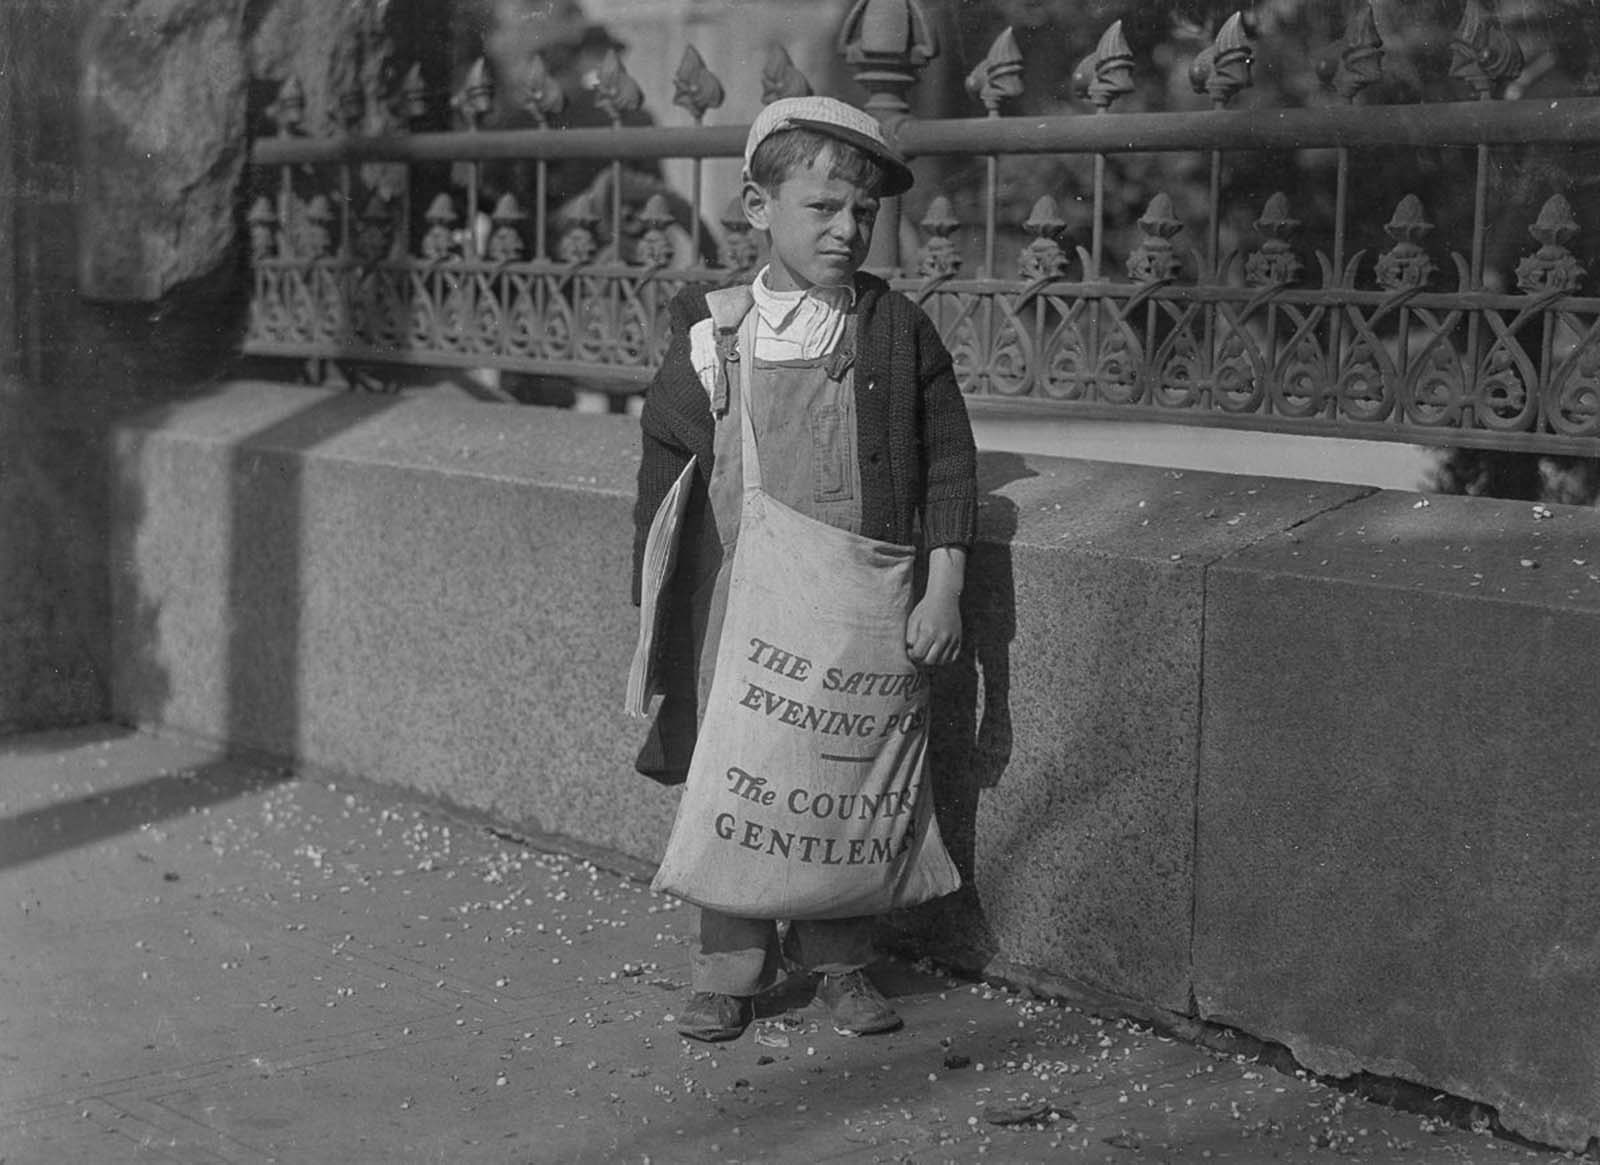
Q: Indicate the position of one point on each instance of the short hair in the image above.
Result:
(782, 153)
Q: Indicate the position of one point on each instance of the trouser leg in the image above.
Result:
(735, 956)
(831, 946)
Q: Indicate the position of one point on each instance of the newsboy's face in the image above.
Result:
(820, 227)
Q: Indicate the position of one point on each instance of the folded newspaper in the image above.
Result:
(660, 557)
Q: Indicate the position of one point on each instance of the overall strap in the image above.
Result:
(729, 306)
(844, 352)
(750, 459)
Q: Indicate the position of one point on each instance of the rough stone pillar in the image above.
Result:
(53, 597)
(9, 361)
(163, 144)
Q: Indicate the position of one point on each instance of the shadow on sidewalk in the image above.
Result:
(53, 741)
(66, 825)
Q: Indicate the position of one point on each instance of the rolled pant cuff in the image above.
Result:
(740, 956)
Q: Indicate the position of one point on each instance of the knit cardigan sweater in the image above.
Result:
(918, 472)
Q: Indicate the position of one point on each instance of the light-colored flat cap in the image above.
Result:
(835, 119)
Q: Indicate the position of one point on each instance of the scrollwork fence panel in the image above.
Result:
(1196, 321)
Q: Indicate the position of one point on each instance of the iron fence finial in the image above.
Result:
(439, 240)
(1275, 264)
(1107, 73)
(940, 257)
(316, 229)
(351, 107)
(887, 42)
(655, 248)
(615, 90)
(413, 103)
(540, 94)
(739, 250)
(1406, 265)
(998, 77)
(780, 78)
(1552, 268)
(476, 98)
(887, 32)
(506, 244)
(289, 109)
(1357, 61)
(1223, 68)
(1482, 53)
(1043, 258)
(508, 210)
(1155, 259)
(939, 219)
(579, 243)
(695, 87)
(263, 222)
(373, 229)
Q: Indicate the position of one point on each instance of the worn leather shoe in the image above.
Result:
(858, 1008)
(712, 1017)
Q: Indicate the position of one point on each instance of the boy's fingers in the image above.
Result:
(921, 646)
(939, 649)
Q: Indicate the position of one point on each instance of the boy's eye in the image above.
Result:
(829, 209)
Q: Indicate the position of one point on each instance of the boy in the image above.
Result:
(851, 400)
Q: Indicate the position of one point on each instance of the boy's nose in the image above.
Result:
(851, 219)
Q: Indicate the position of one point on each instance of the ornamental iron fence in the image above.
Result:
(391, 247)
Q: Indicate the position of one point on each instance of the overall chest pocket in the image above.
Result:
(832, 461)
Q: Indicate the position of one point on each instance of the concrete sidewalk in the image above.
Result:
(205, 959)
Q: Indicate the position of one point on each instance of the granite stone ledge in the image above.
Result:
(414, 430)
(1397, 870)
(435, 593)
(408, 590)
(1064, 752)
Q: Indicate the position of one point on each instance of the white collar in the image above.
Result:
(779, 308)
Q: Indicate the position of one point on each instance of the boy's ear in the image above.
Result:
(755, 199)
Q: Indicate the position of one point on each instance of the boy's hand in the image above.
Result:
(933, 632)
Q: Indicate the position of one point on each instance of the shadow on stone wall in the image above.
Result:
(50, 667)
(266, 583)
(255, 555)
(132, 358)
(970, 738)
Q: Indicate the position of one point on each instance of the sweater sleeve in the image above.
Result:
(950, 486)
(665, 449)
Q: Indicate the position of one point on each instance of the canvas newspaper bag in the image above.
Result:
(806, 796)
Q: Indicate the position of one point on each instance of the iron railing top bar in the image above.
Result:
(1445, 123)
(1448, 123)
(631, 142)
